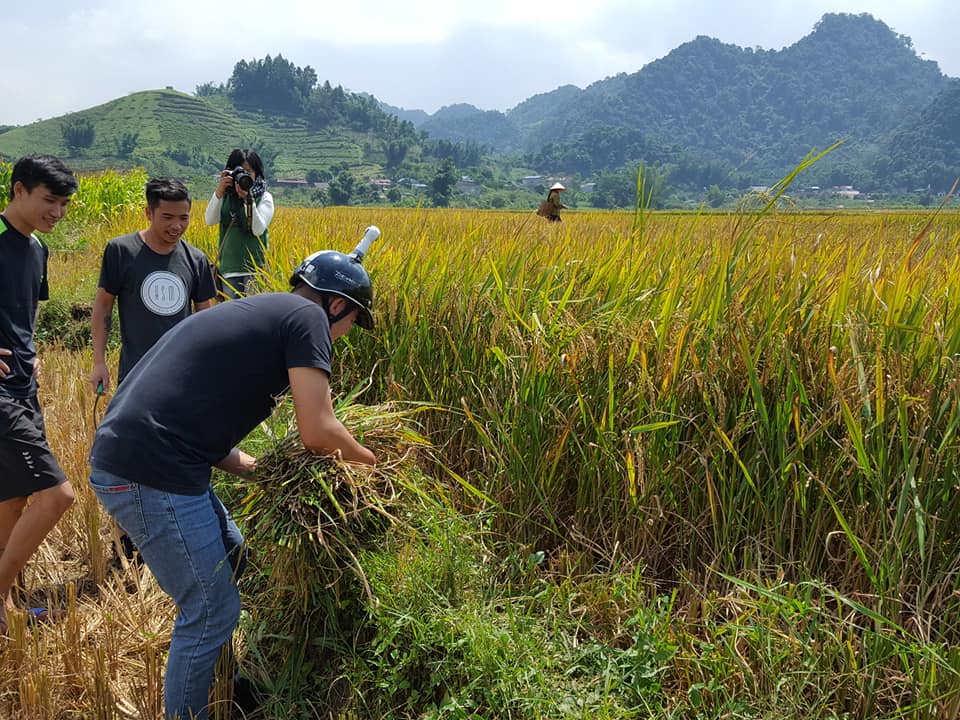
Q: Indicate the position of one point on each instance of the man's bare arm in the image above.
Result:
(100, 321)
(238, 463)
(320, 430)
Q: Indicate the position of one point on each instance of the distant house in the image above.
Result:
(291, 182)
(467, 186)
(381, 183)
(845, 191)
(531, 181)
(850, 194)
(588, 187)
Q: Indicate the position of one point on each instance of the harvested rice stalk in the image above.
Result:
(312, 512)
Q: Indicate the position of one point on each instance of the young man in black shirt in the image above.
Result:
(40, 189)
(184, 408)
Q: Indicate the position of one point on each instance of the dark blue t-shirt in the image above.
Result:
(23, 283)
(204, 386)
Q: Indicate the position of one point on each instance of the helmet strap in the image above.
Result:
(334, 319)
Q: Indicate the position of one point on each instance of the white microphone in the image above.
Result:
(371, 234)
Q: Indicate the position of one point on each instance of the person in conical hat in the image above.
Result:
(551, 207)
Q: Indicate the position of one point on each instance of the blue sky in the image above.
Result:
(63, 57)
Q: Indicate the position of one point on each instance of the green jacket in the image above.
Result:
(240, 250)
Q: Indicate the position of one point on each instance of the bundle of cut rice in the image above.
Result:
(308, 514)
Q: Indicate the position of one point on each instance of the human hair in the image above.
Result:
(302, 288)
(165, 188)
(33, 170)
(239, 157)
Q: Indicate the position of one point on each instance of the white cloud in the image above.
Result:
(423, 53)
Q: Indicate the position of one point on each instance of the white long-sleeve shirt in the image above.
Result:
(262, 212)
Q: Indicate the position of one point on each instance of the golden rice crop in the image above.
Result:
(692, 398)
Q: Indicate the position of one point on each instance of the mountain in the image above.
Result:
(415, 117)
(466, 123)
(708, 113)
(533, 111)
(754, 112)
(170, 132)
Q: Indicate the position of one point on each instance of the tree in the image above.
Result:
(127, 143)
(208, 89)
(272, 84)
(320, 197)
(630, 187)
(461, 154)
(77, 134)
(195, 156)
(341, 188)
(441, 187)
(715, 196)
(395, 151)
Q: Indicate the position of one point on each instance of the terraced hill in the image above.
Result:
(182, 134)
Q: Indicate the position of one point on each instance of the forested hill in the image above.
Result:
(298, 124)
(925, 153)
(747, 110)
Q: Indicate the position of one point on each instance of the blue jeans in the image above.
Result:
(195, 551)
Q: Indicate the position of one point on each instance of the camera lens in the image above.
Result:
(242, 179)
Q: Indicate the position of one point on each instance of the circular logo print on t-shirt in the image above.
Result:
(163, 293)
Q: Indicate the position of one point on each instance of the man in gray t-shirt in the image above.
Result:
(156, 277)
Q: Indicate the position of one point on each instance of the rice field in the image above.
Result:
(644, 465)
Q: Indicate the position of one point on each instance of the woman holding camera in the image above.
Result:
(243, 208)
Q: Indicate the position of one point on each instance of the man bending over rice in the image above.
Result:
(181, 411)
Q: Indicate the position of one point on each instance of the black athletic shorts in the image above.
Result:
(27, 464)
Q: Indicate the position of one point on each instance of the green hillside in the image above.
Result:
(926, 152)
(182, 134)
(710, 112)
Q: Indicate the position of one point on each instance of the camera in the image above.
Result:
(241, 178)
